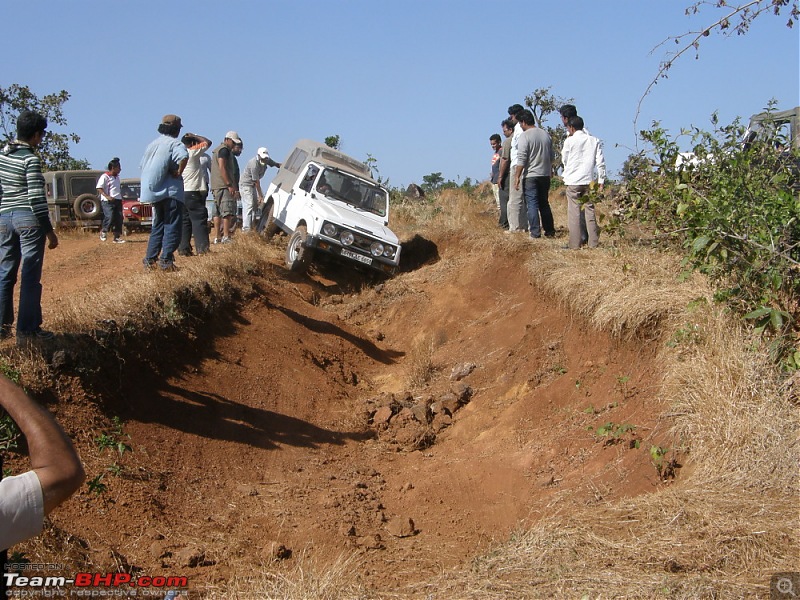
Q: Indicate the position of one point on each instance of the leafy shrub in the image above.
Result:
(734, 209)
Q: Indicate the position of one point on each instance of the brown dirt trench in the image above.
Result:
(260, 441)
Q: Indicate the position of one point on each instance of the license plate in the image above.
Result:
(355, 256)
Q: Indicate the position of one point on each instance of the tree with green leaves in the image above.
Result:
(333, 141)
(54, 150)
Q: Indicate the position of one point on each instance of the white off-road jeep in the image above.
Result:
(328, 202)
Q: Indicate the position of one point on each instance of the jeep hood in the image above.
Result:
(343, 214)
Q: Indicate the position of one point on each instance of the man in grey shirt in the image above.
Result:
(532, 175)
(250, 185)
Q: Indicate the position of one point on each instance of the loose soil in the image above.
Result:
(413, 423)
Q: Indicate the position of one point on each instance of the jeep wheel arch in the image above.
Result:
(298, 255)
(87, 206)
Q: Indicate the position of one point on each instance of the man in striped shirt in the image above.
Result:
(24, 228)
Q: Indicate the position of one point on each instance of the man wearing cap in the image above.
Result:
(225, 186)
(250, 185)
(162, 187)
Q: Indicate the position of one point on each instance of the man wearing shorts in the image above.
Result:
(225, 186)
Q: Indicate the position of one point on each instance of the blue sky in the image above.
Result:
(417, 84)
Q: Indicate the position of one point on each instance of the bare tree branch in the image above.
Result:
(726, 25)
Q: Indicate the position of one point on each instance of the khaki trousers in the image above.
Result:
(581, 219)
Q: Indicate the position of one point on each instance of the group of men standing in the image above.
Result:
(176, 179)
(522, 167)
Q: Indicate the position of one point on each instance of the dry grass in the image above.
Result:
(302, 580)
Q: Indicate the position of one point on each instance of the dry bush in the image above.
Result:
(420, 362)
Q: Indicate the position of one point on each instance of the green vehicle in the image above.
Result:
(72, 198)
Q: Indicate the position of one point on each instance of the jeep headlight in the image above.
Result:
(135, 210)
(346, 237)
(376, 248)
(329, 229)
(389, 252)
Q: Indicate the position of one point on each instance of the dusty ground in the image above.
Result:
(294, 426)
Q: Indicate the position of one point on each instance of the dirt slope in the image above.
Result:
(262, 438)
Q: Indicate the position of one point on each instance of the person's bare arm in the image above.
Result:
(52, 454)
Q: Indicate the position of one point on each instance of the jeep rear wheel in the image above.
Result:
(87, 207)
(266, 224)
(298, 255)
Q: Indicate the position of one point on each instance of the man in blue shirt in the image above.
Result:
(162, 186)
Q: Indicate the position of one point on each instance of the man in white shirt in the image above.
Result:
(195, 186)
(56, 472)
(582, 156)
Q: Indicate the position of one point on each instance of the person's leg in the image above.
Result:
(185, 245)
(9, 266)
(545, 212)
(248, 207)
(531, 194)
(108, 214)
(227, 208)
(195, 205)
(592, 229)
(116, 218)
(515, 208)
(503, 220)
(156, 234)
(574, 192)
(31, 241)
(173, 215)
(496, 192)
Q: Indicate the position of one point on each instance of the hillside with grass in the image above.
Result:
(502, 419)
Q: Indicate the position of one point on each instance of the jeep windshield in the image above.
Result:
(353, 191)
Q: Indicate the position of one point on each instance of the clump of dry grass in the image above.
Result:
(303, 580)
(420, 362)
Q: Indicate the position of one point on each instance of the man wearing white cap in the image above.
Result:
(225, 186)
(250, 185)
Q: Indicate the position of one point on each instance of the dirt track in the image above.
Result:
(259, 440)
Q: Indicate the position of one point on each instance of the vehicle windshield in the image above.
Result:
(353, 191)
(130, 191)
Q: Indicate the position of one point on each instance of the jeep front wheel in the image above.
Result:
(87, 207)
(298, 255)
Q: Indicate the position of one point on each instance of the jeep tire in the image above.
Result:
(266, 226)
(87, 207)
(298, 255)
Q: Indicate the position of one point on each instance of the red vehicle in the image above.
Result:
(135, 215)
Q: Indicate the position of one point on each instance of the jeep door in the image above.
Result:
(300, 199)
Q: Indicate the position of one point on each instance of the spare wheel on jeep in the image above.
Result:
(87, 206)
(298, 255)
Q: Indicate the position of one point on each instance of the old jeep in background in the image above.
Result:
(73, 201)
(72, 198)
(328, 202)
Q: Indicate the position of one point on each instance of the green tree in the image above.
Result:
(333, 141)
(432, 182)
(54, 150)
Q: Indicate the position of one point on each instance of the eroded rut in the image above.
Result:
(264, 447)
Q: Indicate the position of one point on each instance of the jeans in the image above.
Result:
(249, 206)
(535, 191)
(112, 217)
(194, 223)
(165, 234)
(22, 240)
